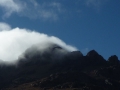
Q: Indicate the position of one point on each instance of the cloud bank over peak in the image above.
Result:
(14, 42)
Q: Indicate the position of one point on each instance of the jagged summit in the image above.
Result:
(113, 59)
(95, 55)
(92, 53)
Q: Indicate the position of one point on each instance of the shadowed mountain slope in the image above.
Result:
(57, 69)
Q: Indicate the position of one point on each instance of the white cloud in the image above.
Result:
(96, 4)
(15, 41)
(44, 11)
(10, 6)
(34, 3)
(31, 9)
(4, 26)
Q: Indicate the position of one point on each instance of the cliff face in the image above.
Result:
(72, 70)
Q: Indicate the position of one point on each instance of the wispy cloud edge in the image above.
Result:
(31, 9)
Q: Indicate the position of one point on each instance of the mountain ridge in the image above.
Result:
(73, 70)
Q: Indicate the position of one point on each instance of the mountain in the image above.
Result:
(57, 68)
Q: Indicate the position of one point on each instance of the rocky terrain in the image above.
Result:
(73, 71)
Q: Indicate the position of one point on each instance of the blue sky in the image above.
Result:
(85, 24)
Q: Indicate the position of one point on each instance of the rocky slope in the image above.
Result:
(73, 71)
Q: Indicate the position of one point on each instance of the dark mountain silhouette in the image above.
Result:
(53, 70)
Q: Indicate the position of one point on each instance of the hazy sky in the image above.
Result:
(85, 24)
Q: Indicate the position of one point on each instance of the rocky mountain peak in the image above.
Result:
(92, 53)
(113, 59)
